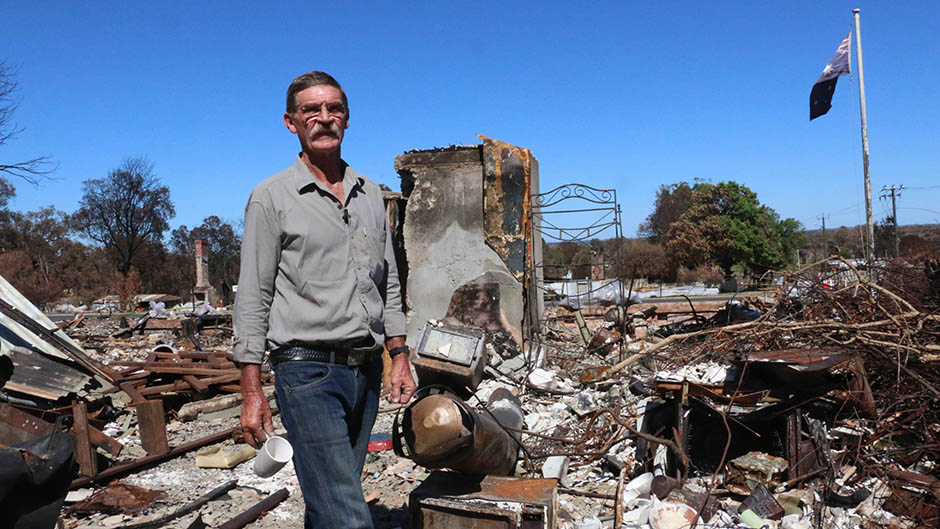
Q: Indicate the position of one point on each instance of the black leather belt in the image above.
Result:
(327, 354)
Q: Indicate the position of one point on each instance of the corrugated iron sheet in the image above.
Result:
(39, 369)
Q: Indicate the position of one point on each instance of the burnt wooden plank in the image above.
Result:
(132, 391)
(181, 385)
(151, 424)
(84, 449)
(191, 370)
(104, 441)
(196, 383)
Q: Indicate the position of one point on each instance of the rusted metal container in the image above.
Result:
(450, 356)
(449, 500)
(438, 430)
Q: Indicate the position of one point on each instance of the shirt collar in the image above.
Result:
(303, 177)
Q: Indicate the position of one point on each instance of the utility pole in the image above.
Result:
(870, 224)
(822, 217)
(894, 191)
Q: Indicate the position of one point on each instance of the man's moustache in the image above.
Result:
(319, 128)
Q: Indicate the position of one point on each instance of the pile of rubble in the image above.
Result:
(817, 407)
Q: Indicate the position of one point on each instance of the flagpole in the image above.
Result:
(870, 249)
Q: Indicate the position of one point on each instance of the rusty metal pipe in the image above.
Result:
(256, 510)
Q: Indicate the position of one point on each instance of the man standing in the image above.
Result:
(319, 289)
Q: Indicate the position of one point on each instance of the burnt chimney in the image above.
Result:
(202, 263)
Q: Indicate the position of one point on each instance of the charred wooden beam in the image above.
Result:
(152, 427)
(84, 450)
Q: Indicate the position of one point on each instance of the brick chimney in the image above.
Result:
(202, 263)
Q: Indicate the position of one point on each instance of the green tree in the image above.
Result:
(125, 211)
(884, 237)
(554, 265)
(581, 264)
(845, 242)
(727, 225)
(672, 201)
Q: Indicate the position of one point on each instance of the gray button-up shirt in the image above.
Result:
(314, 270)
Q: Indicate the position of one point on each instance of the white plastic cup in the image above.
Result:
(274, 454)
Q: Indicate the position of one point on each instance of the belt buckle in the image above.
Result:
(356, 358)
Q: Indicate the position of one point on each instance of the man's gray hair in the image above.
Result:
(305, 81)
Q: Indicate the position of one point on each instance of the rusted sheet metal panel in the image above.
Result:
(17, 426)
(41, 354)
(435, 513)
(798, 369)
(507, 202)
(15, 333)
(40, 376)
(448, 499)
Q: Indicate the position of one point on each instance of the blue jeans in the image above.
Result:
(328, 411)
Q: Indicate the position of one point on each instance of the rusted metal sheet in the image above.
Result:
(796, 365)
(452, 500)
(39, 333)
(118, 497)
(17, 426)
(36, 358)
(507, 201)
(42, 376)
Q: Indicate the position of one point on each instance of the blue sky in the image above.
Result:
(623, 95)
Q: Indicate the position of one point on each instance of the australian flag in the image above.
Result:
(820, 99)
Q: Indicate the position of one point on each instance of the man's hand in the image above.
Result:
(256, 414)
(403, 384)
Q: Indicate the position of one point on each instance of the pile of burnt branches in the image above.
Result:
(889, 317)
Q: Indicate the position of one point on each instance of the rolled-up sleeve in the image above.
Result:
(259, 261)
(394, 316)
